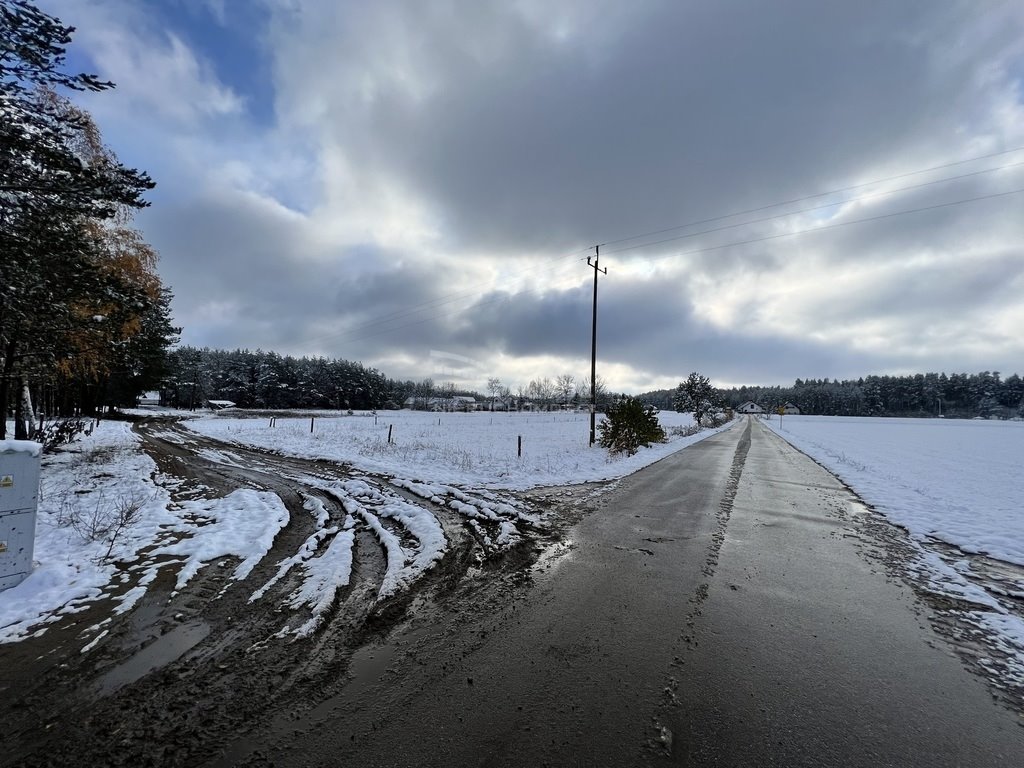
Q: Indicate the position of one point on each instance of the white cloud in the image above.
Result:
(155, 71)
(419, 151)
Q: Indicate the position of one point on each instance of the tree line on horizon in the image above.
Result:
(263, 379)
(957, 395)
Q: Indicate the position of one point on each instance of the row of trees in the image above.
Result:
(258, 379)
(544, 393)
(269, 380)
(959, 395)
(84, 319)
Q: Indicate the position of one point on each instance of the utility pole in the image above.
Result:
(593, 343)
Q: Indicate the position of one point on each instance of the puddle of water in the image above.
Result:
(159, 653)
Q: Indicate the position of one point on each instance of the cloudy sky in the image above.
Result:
(416, 184)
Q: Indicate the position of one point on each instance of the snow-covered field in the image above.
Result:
(477, 449)
(956, 485)
(955, 480)
(457, 462)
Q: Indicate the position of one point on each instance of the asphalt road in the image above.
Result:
(723, 607)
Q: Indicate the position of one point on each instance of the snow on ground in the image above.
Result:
(406, 562)
(323, 572)
(956, 480)
(243, 524)
(470, 449)
(956, 485)
(81, 491)
(457, 460)
(84, 490)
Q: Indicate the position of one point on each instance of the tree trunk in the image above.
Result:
(21, 428)
(4, 395)
(6, 377)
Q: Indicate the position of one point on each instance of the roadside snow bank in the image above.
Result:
(85, 489)
(954, 480)
(957, 487)
(82, 489)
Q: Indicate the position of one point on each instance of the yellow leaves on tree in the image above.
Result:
(108, 318)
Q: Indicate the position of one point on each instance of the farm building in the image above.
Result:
(790, 409)
(750, 407)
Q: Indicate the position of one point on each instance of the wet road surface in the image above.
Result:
(723, 607)
(731, 605)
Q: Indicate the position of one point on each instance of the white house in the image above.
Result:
(790, 409)
(149, 398)
(750, 407)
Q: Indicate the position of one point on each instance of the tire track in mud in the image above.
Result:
(178, 676)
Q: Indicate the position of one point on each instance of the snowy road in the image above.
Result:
(732, 605)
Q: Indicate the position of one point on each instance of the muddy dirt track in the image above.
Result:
(732, 605)
(180, 675)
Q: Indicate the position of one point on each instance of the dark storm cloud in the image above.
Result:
(249, 270)
(428, 146)
(691, 110)
(942, 294)
(649, 326)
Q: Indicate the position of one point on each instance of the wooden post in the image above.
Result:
(390, 427)
(519, 453)
(311, 425)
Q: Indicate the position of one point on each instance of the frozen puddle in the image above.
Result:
(161, 652)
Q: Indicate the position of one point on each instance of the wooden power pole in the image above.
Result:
(593, 344)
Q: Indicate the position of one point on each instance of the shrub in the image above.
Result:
(61, 432)
(629, 426)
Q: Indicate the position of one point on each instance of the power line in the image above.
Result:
(355, 336)
(593, 343)
(843, 223)
(815, 208)
(473, 291)
(818, 194)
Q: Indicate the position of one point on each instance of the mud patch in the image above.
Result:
(161, 652)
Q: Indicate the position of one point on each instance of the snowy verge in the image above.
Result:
(480, 450)
(75, 564)
(956, 486)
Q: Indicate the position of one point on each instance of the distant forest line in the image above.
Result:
(957, 395)
(258, 379)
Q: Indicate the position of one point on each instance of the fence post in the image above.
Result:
(519, 452)
(311, 425)
(390, 427)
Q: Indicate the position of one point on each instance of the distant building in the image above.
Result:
(750, 407)
(790, 409)
(220, 405)
(439, 404)
(149, 398)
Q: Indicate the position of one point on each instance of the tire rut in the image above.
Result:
(182, 674)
